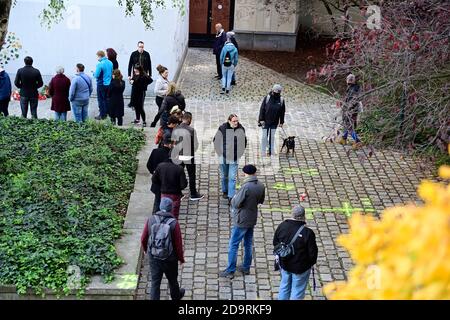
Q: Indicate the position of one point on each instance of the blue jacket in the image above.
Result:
(103, 72)
(229, 47)
(5, 86)
(80, 88)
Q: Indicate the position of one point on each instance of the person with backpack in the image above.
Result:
(271, 116)
(228, 61)
(244, 211)
(159, 155)
(162, 241)
(79, 93)
(232, 37)
(296, 253)
(171, 180)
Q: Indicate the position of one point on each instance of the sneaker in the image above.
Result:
(225, 195)
(144, 124)
(223, 91)
(196, 196)
(182, 292)
(244, 271)
(233, 83)
(227, 92)
(226, 274)
(153, 124)
(135, 122)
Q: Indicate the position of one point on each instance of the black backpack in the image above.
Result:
(227, 61)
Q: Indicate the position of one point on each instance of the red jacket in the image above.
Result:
(58, 89)
(176, 240)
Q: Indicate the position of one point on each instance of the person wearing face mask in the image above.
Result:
(271, 116)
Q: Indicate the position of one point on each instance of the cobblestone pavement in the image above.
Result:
(337, 179)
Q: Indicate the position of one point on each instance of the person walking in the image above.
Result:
(112, 56)
(219, 42)
(116, 104)
(161, 239)
(228, 61)
(5, 91)
(139, 83)
(28, 80)
(157, 156)
(79, 93)
(58, 89)
(103, 74)
(187, 143)
(230, 143)
(231, 35)
(140, 57)
(271, 116)
(173, 98)
(244, 211)
(171, 180)
(161, 86)
(296, 267)
(350, 111)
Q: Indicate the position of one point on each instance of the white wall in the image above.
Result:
(91, 26)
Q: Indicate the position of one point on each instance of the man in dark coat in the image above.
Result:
(171, 180)
(219, 42)
(142, 58)
(168, 266)
(244, 210)
(28, 80)
(159, 155)
(296, 268)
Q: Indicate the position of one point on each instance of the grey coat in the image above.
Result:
(244, 205)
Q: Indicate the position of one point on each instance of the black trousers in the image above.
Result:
(33, 102)
(191, 174)
(219, 67)
(139, 109)
(158, 268)
(118, 119)
(4, 107)
(157, 201)
(158, 101)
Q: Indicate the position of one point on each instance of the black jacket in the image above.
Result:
(143, 59)
(305, 246)
(28, 80)
(115, 94)
(168, 103)
(219, 42)
(222, 142)
(272, 112)
(170, 177)
(138, 88)
(157, 156)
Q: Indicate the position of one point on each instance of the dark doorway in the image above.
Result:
(204, 15)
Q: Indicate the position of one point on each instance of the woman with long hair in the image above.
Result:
(115, 95)
(161, 85)
(112, 56)
(139, 83)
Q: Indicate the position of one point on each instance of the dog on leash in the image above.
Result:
(289, 144)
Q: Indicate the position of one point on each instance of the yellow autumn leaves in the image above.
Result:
(405, 255)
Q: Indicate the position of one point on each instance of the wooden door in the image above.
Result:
(198, 16)
(220, 13)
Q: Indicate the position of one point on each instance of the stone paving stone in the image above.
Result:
(383, 180)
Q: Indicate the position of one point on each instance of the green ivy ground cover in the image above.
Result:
(64, 190)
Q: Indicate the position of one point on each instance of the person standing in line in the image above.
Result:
(231, 35)
(296, 267)
(139, 83)
(58, 89)
(219, 42)
(112, 56)
(173, 98)
(103, 74)
(271, 116)
(186, 140)
(230, 143)
(116, 104)
(140, 57)
(157, 156)
(161, 86)
(228, 61)
(28, 80)
(161, 239)
(350, 111)
(5, 91)
(79, 93)
(171, 179)
(244, 211)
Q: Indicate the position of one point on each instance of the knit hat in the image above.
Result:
(166, 204)
(277, 88)
(298, 213)
(249, 169)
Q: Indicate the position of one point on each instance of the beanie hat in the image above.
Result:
(249, 169)
(166, 204)
(298, 213)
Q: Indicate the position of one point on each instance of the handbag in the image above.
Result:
(283, 250)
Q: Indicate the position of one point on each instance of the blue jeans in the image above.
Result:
(102, 97)
(62, 116)
(268, 139)
(80, 110)
(227, 74)
(237, 234)
(352, 133)
(229, 174)
(293, 286)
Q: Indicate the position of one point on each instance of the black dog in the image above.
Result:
(289, 143)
